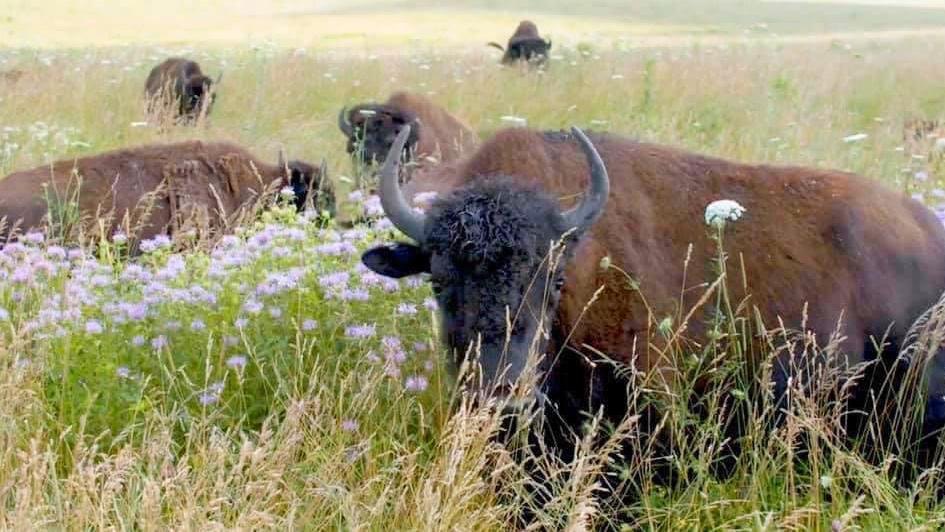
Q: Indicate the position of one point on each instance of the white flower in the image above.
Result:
(855, 138)
(516, 121)
(721, 211)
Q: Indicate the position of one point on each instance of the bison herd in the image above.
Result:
(514, 244)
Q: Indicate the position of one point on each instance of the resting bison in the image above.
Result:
(179, 86)
(816, 248)
(160, 188)
(371, 129)
(525, 45)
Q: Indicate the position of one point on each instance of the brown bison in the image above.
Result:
(11, 76)
(155, 189)
(179, 86)
(525, 45)
(434, 132)
(815, 248)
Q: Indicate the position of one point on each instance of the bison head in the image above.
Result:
(489, 251)
(371, 130)
(310, 184)
(532, 50)
(198, 96)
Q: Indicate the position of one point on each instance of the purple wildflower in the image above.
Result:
(197, 325)
(123, 372)
(372, 207)
(334, 280)
(158, 342)
(252, 306)
(34, 237)
(237, 362)
(416, 383)
(207, 398)
(119, 237)
(275, 312)
(93, 327)
(241, 323)
(354, 294)
(349, 425)
(360, 332)
(309, 325)
(137, 341)
(406, 309)
(429, 303)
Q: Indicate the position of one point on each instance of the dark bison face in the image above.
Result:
(308, 182)
(372, 129)
(532, 50)
(198, 96)
(495, 274)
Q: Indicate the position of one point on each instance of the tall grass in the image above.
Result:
(271, 383)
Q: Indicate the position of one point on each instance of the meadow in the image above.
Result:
(272, 382)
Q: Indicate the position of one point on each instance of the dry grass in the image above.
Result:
(82, 449)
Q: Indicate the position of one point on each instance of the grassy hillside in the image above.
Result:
(273, 383)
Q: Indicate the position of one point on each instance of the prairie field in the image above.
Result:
(272, 382)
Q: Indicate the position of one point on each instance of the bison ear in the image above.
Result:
(397, 260)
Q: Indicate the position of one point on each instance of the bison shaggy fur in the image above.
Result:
(525, 45)
(815, 248)
(435, 133)
(178, 86)
(158, 188)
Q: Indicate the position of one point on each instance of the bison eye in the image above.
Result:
(559, 284)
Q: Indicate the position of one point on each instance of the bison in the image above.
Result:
(434, 132)
(155, 189)
(179, 87)
(816, 248)
(525, 45)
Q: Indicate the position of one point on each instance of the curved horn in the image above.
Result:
(343, 123)
(395, 205)
(496, 45)
(589, 210)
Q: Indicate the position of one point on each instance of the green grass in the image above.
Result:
(99, 430)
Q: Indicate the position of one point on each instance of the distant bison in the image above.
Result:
(179, 87)
(525, 45)
(434, 133)
(816, 248)
(155, 189)
(11, 76)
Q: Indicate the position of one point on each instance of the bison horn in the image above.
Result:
(496, 45)
(589, 210)
(392, 198)
(343, 123)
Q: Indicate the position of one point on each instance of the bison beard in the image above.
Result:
(817, 248)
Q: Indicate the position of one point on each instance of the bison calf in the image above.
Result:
(178, 87)
(153, 189)
(816, 248)
(525, 45)
(434, 133)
